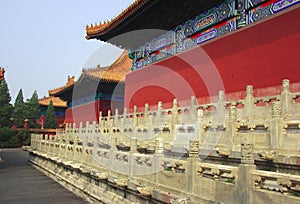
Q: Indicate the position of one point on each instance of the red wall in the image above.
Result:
(90, 111)
(86, 112)
(262, 55)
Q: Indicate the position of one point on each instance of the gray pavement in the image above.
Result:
(21, 183)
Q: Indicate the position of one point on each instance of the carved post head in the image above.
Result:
(249, 90)
(117, 113)
(276, 108)
(232, 112)
(175, 103)
(221, 95)
(193, 100)
(134, 109)
(125, 112)
(100, 117)
(285, 85)
(159, 105)
(247, 156)
(200, 113)
(146, 107)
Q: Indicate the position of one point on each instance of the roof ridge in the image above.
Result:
(95, 28)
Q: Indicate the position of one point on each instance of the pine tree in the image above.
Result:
(32, 109)
(50, 120)
(19, 112)
(5, 107)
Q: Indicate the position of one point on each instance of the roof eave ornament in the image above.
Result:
(2, 72)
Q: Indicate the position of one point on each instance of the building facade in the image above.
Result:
(211, 108)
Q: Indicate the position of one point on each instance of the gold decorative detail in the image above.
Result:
(2, 71)
(102, 26)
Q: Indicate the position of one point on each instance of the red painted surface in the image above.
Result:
(90, 111)
(261, 55)
(86, 112)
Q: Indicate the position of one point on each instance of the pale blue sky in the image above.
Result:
(43, 41)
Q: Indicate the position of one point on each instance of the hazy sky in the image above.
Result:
(43, 41)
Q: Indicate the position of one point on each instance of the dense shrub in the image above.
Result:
(24, 137)
(8, 138)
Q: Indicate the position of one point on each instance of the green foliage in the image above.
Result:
(8, 138)
(297, 194)
(19, 110)
(4, 93)
(32, 110)
(5, 107)
(229, 180)
(5, 134)
(50, 120)
(14, 141)
(24, 137)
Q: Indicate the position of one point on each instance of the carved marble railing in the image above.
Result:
(145, 152)
(271, 123)
(158, 176)
(146, 174)
(285, 184)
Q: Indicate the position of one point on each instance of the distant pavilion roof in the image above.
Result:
(57, 102)
(89, 78)
(69, 84)
(114, 73)
(147, 14)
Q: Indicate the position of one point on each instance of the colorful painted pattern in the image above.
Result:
(211, 24)
(205, 20)
(241, 14)
(253, 3)
(268, 9)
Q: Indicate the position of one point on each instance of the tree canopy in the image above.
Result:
(32, 109)
(50, 120)
(19, 110)
(5, 107)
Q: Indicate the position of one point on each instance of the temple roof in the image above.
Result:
(114, 73)
(90, 79)
(147, 14)
(57, 102)
(70, 83)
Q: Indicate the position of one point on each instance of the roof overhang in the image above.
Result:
(161, 15)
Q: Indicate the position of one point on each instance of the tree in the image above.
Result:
(50, 120)
(8, 138)
(19, 110)
(32, 109)
(5, 107)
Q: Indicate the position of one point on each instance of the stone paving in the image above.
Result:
(21, 183)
